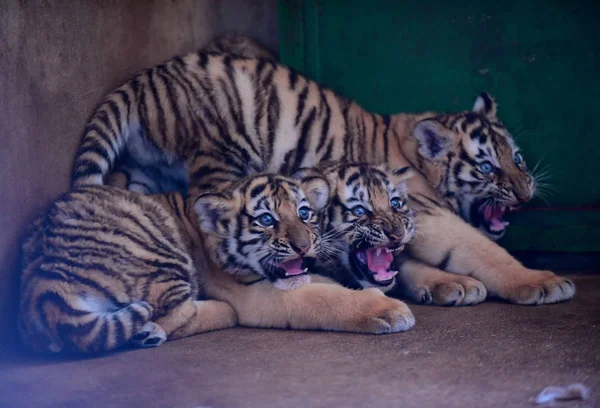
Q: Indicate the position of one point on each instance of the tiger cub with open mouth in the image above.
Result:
(366, 223)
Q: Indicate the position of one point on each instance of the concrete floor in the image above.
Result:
(491, 355)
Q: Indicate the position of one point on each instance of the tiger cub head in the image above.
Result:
(474, 163)
(264, 225)
(366, 222)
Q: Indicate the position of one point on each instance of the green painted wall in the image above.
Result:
(541, 60)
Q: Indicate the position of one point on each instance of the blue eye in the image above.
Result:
(486, 167)
(395, 203)
(266, 220)
(359, 211)
(518, 158)
(304, 213)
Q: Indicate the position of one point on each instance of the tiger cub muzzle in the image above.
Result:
(373, 252)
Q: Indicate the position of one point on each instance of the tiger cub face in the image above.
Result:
(474, 163)
(266, 225)
(367, 221)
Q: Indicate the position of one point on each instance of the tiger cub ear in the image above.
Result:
(433, 138)
(399, 177)
(315, 186)
(211, 208)
(486, 105)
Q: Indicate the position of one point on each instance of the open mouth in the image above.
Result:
(376, 264)
(490, 216)
(292, 267)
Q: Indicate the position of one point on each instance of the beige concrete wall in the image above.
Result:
(57, 59)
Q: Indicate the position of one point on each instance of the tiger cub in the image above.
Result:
(366, 223)
(104, 267)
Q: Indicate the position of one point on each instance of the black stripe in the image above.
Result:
(328, 152)
(273, 114)
(160, 113)
(302, 143)
(374, 137)
(301, 103)
(119, 331)
(203, 61)
(352, 178)
(325, 126)
(386, 153)
(86, 167)
(293, 77)
(257, 190)
(99, 342)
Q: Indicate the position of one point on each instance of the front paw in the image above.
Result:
(454, 290)
(150, 335)
(383, 314)
(540, 287)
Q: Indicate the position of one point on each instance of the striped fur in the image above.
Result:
(104, 267)
(367, 213)
(242, 243)
(222, 117)
(475, 165)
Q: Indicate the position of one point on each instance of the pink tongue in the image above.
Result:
(293, 267)
(380, 263)
(493, 215)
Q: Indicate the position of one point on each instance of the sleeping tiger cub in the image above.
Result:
(104, 267)
(366, 223)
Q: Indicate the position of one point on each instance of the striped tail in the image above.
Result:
(106, 135)
(81, 331)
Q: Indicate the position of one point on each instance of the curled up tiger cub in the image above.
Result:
(104, 267)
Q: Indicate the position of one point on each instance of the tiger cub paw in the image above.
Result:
(540, 287)
(454, 290)
(150, 335)
(384, 314)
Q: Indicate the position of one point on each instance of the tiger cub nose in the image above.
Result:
(301, 248)
(396, 236)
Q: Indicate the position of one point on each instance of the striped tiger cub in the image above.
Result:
(219, 117)
(366, 223)
(104, 267)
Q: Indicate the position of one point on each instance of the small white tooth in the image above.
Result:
(305, 270)
(506, 223)
(378, 252)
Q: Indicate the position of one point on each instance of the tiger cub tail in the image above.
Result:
(106, 134)
(86, 329)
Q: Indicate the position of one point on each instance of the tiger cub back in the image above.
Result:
(101, 267)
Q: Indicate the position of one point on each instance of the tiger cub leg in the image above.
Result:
(324, 305)
(447, 241)
(196, 316)
(426, 284)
